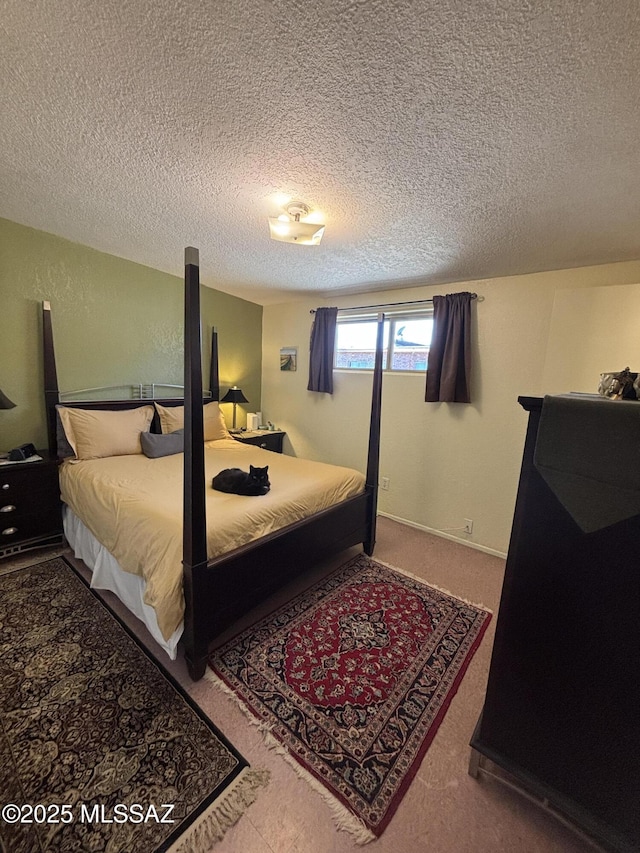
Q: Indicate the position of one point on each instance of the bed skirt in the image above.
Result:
(107, 574)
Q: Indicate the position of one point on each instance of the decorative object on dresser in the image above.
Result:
(266, 439)
(353, 678)
(234, 395)
(561, 709)
(623, 385)
(92, 726)
(30, 509)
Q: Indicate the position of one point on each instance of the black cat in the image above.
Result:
(235, 481)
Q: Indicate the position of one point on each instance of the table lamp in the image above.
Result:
(234, 395)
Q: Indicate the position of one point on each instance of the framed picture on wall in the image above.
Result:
(289, 358)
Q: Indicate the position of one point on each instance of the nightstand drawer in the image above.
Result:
(271, 442)
(26, 497)
(14, 527)
(27, 478)
(266, 439)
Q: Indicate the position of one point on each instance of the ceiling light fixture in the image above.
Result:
(290, 229)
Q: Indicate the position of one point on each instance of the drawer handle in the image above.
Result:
(5, 486)
(7, 508)
(9, 531)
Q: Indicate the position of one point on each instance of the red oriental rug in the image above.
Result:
(353, 677)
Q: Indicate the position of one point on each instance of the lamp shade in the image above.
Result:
(234, 395)
(5, 402)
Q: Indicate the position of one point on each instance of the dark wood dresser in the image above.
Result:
(562, 707)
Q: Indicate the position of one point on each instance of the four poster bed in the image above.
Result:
(219, 555)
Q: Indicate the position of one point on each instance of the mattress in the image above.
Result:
(133, 507)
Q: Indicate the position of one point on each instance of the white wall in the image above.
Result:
(593, 330)
(445, 462)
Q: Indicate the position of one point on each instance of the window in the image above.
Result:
(407, 338)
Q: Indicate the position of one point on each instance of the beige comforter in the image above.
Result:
(133, 506)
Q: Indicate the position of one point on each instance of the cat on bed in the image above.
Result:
(235, 481)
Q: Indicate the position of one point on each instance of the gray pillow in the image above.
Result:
(64, 448)
(154, 445)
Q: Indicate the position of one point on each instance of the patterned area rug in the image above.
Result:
(353, 677)
(99, 750)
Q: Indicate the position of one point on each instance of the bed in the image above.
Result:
(197, 559)
(132, 505)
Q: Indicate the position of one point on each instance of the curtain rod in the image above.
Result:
(393, 304)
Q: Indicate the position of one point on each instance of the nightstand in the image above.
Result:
(30, 509)
(268, 439)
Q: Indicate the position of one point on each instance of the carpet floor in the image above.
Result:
(354, 677)
(444, 810)
(99, 749)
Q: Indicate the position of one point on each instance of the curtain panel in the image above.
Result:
(322, 346)
(449, 363)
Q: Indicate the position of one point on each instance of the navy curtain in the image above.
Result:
(323, 339)
(449, 364)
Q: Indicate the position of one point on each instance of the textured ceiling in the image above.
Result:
(442, 140)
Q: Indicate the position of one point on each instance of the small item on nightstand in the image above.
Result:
(19, 454)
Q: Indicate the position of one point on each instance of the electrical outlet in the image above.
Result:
(384, 483)
(468, 525)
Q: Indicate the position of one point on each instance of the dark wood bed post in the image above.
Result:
(214, 376)
(373, 458)
(194, 541)
(51, 390)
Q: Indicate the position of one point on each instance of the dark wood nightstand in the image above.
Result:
(268, 439)
(30, 508)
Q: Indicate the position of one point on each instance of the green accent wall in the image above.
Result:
(115, 322)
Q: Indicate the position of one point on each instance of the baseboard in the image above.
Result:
(444, 535)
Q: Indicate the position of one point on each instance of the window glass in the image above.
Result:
(411, 340)
(356, 344)
(406, 342)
